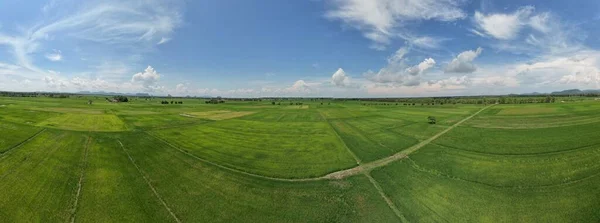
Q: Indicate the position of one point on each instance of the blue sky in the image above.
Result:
(340, 48)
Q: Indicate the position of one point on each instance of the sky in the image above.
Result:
(302, 48)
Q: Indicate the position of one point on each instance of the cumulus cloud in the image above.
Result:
(463, 63)
(148, 79)
(55, 56)
(340, 79)
(581, 69)
(379, 19)
(397, 72)
(54, 82)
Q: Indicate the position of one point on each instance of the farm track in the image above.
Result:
(149, 184)
(21, 143)
(80, 183)
(341, 174)
(386, 198)
(400, 155)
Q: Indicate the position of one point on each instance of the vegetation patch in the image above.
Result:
(526, 111)
(220, 114)
(289, 150)
(85, 122)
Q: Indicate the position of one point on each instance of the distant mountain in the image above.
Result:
(575, 92)
(114, 93)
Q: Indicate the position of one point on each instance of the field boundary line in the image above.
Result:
(21, 143)
(341, 174)
(149, 184)
(400, 155)
(232, 169)
(340, 138)
(80, 183)
(386, 198)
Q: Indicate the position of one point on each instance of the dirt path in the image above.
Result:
(361, 168)
(400, 155)
(149, 184)
(80, 183)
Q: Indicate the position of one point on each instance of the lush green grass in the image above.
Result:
(13, 134)
(510, 163)
(198, 192)
(113, 189)
(425, 195)
(538, 115)
(545, 173)
(39, 179)
(85, 122)
(522, 141)
(292, 150)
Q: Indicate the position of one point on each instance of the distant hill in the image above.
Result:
(575, 92)
(114, 93)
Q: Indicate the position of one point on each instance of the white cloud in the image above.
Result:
(109, 22)
(427, 42)
(56, 56)
(397, 72)
(148, 79)
(581, 69)
(421, 67)
(378, 20)
(540, 22)
(340, 79)
(503, 26)
(163, 40)
(54, 82)
(463, 63)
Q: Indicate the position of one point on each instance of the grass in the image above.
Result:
(13, 134)
(510, 163)
(114, 191)
(39, 179)
(199, 192)
(85, 122)
(424, 195)
(292, 150)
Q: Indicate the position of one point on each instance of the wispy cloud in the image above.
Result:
(55, 56)
(380, 20)
(108, 22)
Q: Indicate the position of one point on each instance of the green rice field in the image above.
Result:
(64, 160)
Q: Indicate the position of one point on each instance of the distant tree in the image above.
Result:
(273, 103)
(431, 120)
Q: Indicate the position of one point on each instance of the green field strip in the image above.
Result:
(337, 134)
(521, 171)
(201, 192)
(40, 184)
(20, 144)
(584, 147)
(83, 166)
(291, 150)
(232, 169)
(386, 198)
(510, 188)
(397, 156)
(162, 201)
(113, 189)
